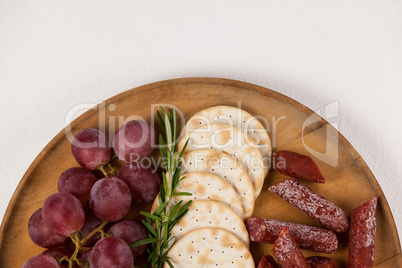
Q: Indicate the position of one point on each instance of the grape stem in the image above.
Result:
(99, 229)
(102, 169)
(78, 243)
(111, 172)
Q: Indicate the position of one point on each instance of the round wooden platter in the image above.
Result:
(349, 182)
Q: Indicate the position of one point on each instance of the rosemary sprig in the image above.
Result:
(161, 222)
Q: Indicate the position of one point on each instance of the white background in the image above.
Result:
(57, 54)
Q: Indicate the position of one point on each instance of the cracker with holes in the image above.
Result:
(211, 214)
(227, 168)
(210, 247)
(207, 186)
(236, 117)
(230, 140)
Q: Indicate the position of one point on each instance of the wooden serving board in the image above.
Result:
(348, 184)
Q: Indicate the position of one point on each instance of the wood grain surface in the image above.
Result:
(349, 183)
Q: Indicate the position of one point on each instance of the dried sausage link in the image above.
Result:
(287, 252)
(312, 204)
(362, 235)
(297, 166)
(306, 237)
(320, 262)
(267, 262)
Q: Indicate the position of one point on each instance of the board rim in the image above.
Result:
(208, 80)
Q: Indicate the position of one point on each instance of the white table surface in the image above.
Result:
(57, 54)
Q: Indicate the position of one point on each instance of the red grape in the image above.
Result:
(91, 148)
(130, 232)
(111, 252)
(78, 182)
(110, 199)
(41, 261)
(58, 253)
(143, 183)
(63, 213)
(91, 223)
(41, 234)
(134, 140)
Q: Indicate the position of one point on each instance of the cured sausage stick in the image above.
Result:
(312, 204)
(307, 237)
(362, 235)
(267, 262)
(287, 252)
(297, 166)
(320, 262)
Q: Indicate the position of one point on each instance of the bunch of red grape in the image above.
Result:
(88, 211)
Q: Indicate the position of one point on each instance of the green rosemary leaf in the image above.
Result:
(182, 178)
(174, 129)
(143, 242)
(149, 227)
(168, 133)
(149, 215)
(180, 211)
(163, 110)
(176, 178)
(165, 184)
(169, 244)
(160, 121)
(163, 151)
(174, 222)
(164, 258)
(160, 208)
(169, 263)
(154, 259)
(161, 195)
(165, 238)
(184, 148)
(182, 194)
(175, 208)
(175, 162)
(150, 255)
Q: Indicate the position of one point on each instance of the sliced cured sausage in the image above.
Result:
(267, 262)
(312, 204)
(297, 166)
(362, 235)
(320, 262)
(307, 237)
(287, 252)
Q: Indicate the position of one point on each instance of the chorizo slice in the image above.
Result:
(312, 204)
(297, 166)
(287, 252)
(362, 235)
(306, 237)
(267, 262)
(320, 262)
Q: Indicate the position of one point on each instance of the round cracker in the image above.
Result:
(210, 247)
(227, 168)
(236, 117)
(231, 140)
(207, 186)
(203, 213)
